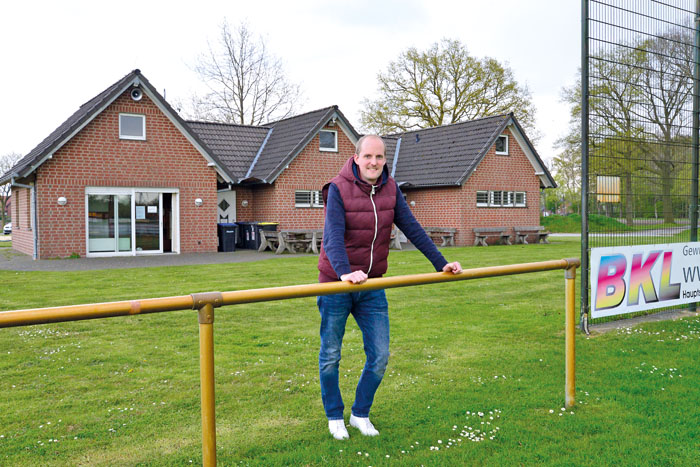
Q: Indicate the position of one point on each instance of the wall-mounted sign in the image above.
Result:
(637, 278)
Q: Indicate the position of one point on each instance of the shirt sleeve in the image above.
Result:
(334, 232)
(404, 220)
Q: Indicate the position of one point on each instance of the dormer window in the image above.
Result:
(132, 126)
(502, 145)
(328, 140)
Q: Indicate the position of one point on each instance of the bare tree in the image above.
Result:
(247, 84)
(6, 163)
(443, 85)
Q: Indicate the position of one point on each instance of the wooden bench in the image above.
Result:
(484, 233)
(306, 240)
(271, 239)
(447, 234)
(538, 231)
(395, 241)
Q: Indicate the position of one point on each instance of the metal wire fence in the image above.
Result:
(639, 130)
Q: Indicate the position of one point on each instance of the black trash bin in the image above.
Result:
(228, 233)
(246, 235)
(249, 233)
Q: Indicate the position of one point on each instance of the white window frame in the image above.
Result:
(334, 149)
(143, 130)
(508, 199)
(315, 199)
(482, 204)
(174, 219)
(502, 153)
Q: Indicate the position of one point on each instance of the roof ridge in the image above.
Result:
(228, 124)
(305, 113)
(449, 124)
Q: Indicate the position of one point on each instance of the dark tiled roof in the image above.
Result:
(443, 155)
(234, 145)
(88, 111)
(447, 155)
(73, 122)
(288, 138)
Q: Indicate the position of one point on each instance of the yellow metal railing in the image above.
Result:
(206, 302)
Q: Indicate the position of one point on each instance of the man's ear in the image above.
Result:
(355, 157)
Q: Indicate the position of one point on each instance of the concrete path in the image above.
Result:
(11, 260)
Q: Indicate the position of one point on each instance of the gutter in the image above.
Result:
(35, 219)
(396, 157)
(257, 156)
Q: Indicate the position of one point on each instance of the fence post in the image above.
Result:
(570, 298)
(205, 303)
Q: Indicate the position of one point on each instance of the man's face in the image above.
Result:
(371, 160)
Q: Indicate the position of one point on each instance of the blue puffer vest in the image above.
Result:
(369, 216)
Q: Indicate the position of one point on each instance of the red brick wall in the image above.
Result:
(22, 234)
(96, 157)
(456, 207)
(310, 170)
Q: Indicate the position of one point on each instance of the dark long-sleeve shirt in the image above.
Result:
(334, 228)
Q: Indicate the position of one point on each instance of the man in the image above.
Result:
(361, 204)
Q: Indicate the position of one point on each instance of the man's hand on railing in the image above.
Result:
(454, 268)
(356, 277)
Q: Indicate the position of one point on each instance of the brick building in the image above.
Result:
(125, 175)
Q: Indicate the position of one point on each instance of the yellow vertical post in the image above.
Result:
(206, 372)
(570, 298)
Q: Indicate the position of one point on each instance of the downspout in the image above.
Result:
(34, 220)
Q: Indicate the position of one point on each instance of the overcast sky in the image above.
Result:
(56, 55)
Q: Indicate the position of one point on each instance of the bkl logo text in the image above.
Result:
(612, 288)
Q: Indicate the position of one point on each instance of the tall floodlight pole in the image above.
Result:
(584, 165)
(696, 136)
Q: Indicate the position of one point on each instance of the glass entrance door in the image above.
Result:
(109, 223)
(131, 221)
(147, 207)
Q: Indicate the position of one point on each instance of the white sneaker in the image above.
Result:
(364, 425)
(337, 429)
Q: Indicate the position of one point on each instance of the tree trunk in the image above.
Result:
(629, 201)
(666, 186)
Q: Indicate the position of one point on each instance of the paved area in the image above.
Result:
(11, 260)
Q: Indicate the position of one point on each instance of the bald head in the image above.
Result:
(358, 146)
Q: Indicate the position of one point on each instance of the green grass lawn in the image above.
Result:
(596, 223)
(476, 374)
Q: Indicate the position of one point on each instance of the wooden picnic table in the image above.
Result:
(308, 240)
(292, 240)
(271, 239)
(447, 234)
(521, 234)
(482, 234)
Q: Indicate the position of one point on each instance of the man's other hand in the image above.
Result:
(356, 277)
(454, 268)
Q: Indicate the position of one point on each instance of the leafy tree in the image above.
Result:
(247, 84)
(442, 85)
(6, 163)
(666, 90)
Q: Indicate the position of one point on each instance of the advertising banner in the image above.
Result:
(628, 279)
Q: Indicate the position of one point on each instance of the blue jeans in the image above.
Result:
(371, 312)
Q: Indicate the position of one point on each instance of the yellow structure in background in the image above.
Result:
(206, 302)
(607, 189)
